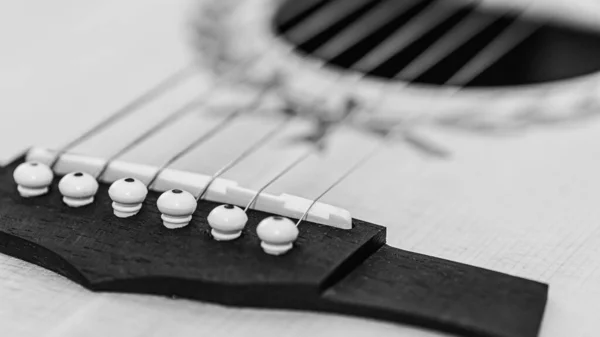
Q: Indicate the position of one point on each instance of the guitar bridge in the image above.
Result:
(220, 190)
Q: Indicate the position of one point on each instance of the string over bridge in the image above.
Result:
(220, 190)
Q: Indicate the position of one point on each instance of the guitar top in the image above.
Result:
(414, 167)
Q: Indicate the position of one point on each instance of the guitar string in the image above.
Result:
(455, 37)
(185, 109)
(255, 104)
(253, 148)
(168, 120)
(322, 19)
(299, 160)
(172, 117)
(247, 152)
(280, 174)
(313, 148)
(510, 38)
(353, 168)
(431, 16)
(134, 106)
(505, 45)
(294, 163)
(293, 9)
(382, 14)
(228, 166)
(148, 96)
(250, 150)
(140, 101)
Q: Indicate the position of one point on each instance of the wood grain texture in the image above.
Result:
(429, 287)
(344, 271)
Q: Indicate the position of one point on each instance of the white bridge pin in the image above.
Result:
(78, 189)
(277, 234)
(177, 207)
(33, 179)
(227, 222)
(127, 195)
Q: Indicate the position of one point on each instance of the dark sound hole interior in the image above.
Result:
(392, 38)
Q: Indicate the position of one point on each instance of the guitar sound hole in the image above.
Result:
(363, 36)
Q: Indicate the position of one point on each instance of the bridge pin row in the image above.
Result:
(277, 234)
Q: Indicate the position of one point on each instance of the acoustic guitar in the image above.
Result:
(322, 167)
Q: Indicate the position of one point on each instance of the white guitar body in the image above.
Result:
(523, 202)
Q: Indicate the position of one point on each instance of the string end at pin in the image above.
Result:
(78, 189)
(127, 195)
(277, 235)
(177, 207)
(33, 179)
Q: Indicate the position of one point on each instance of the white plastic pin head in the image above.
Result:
(127, 195)
(227, 222)
(177, 207)
(33, 179)
(277, 234)
(78, 189)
